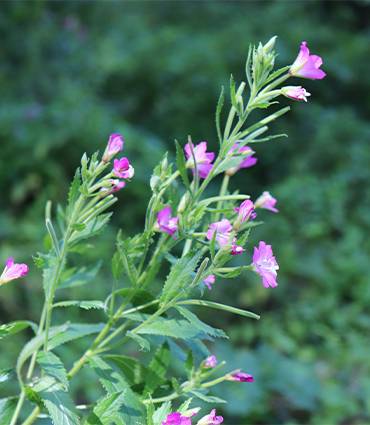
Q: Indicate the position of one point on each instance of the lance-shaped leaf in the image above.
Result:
(53, 366)
(181, 164)
(13, 328)
(80, 276)
(7, 407)
(157, 369)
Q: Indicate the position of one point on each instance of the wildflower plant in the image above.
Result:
(147, 324)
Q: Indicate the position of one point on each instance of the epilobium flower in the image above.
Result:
(203, 158)
(241, 377)
(176, 418)
(265, 264)
(166, 223)
(236, 249)
(245, 212)
(115, 186)
(115, 145)
(295, 92)
(209, 281)
(267, 202)
(12, 271)
(123, 169)
(211, 419)
(247, 162)
(306, 65)
(222, 229)
(210, 361)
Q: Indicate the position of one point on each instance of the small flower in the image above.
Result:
(209, 281)
(236, 249)
(222, 229)
(241, 377)
(248, 160)
(265, 264)
(245, 211)
(295, 93)
(306, 65)
(210, 361)
(203, 158)
(115, 145)
(13, 271)
(123, 169)
(211, 419)
(267, 202)
(176, 418)
(115, 186)
(165, 222)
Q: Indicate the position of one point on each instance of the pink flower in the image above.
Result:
(222, 229)
(123, 169)
(295, 92)
(265, 264)
(203, 158)
(241, 377)
(267, 202)
(12, 271)
(210, 361)
(248, 160)
(236, 249)
(306, 65)
(165, 222)
(116, 185)
(115, 145)
(176, 418)
(209, 281)
(211, 419)
(245, 211)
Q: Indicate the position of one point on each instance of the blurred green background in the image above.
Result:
(73, 72)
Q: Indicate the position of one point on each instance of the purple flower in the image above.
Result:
(306, 65)
(236, 249)
(123, 169)
(210, 361)
(176, 418)
(248, 160)
(241, 377)
(203, 158)
(165, 222)
(245, 211)
(267, 202)
(211, 419)
(264, 263)
(12, 271)
(116, 185)
(295, 93)
(209, 281)
(222, 229)
(115, 145)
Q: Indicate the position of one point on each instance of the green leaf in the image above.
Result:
(161, 413)
(180, 276)
(142, 342)
(127, 261)
(207, 398)
(86, 305)
(117, 267)
(7, 407)
(80, 277)
(53, 366)
(93, 228)
(132, 369)
(220, 105)
(107, 409)
(199, 325)
(224, 307)
(158, 367)
(181, 164)
(57, 402)
(74, 331)
(13, 328)
(5, 375)
(74, 190)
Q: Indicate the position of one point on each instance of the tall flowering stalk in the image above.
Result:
(189, 231)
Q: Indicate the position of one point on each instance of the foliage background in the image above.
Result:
(72, 72)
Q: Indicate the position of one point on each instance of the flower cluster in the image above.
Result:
(177, 418)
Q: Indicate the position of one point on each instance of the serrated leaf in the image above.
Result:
(74, 331)
(132, 369)
(7, 407)
(13, 328)
(161, 413)
(220, 105)
(74, 190)
(128, 263)
(207, 398)
(157, 369)
(199, 325)
(93, 228)
(81, 276)
(219, 306)
(181, 164)
(86, 305)
(142, 342)
(107, 409)
(57, 402)
(180, 276)
(53, 366)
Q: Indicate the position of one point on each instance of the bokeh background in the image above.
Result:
(73, 72)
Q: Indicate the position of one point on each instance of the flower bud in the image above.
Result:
(115, 145)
